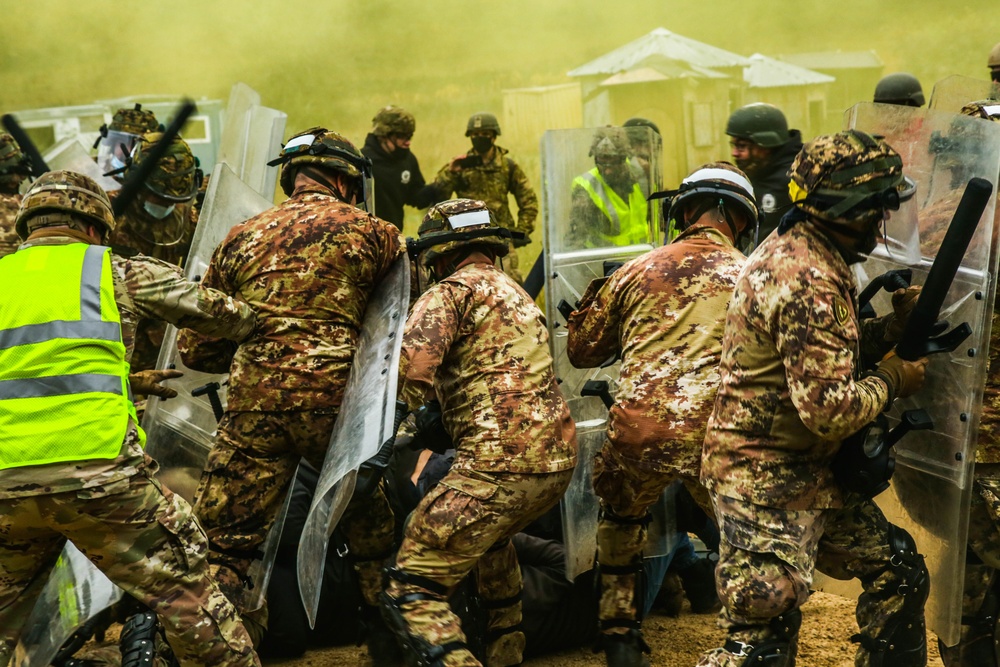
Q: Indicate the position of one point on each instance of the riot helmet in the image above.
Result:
(13, 164)
(986, 109)
(610, 149)
(716, 185)
(900, 88)
(455, 224)
(176, 177)
(848, 181)
(763, 124)
(327, 151)
(642, 122)
(393, 120)
(57, 197)
(119, 137)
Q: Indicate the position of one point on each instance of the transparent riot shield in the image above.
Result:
(954, 92)
(365, 422)
(590, 230)
(251, 136)
(931, 488)
(68, 154)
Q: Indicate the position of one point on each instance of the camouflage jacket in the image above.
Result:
(307, 266)
(168, 239)
(144, 288)
(491, 183)
(665, 312)
(789, 393)
(9, 240)
(477, 343)
(988, 449)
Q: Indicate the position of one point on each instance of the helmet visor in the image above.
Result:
(901, 239)
(113, 150)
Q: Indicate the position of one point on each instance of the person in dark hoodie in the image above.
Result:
(764, 148)
(398, 180)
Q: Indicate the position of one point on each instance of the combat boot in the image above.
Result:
(625, 650)
(698, 580)
(383, 649)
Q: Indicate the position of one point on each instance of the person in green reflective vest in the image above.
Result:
(608, 204)
(72, 465)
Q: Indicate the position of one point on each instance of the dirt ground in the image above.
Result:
(828, 623)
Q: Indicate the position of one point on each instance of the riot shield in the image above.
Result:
(70, 155)
(931, 488)
(954, 92)
(251, 136)
(580, 245)
(365, 422)
(76, 592)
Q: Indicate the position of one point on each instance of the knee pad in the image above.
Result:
(418, 651)
(639, 596)
(776, 650)
(137, 642)
(902, 641)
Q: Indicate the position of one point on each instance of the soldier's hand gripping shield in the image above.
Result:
(930, 490)
(366, 421)
(595, 215)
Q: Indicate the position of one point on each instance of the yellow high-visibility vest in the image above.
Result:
(627, 223)
(63, 375)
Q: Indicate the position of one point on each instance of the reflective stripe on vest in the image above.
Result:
(627, 221)
(63, 374)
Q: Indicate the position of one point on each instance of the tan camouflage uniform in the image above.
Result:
(9, 240)
(308, 267)
(139, 533)
(491, 183)
(665, 312)
(476, 342)
(787, 398)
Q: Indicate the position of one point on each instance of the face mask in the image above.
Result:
(157, 211)
(482, 145)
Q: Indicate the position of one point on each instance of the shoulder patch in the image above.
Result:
(840, 311)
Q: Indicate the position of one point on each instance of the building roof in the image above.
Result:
(764, 72)
(660, 42)
(827, 60)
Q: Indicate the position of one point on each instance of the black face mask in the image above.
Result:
(482, 145)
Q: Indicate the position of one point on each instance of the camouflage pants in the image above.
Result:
(976, 646)
(145, 539)
(451, 532)
(768, 556)
(627, 490)
(248, 474)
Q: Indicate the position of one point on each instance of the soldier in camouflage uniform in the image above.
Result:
(308, 266)
(102, 494)
(487, 173)
(981, 601)
(663, 312)
(13, 172)
(118, 138)
(476, 343)
(791, 391)
(160, 223)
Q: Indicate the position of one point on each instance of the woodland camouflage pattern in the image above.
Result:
(792, 339)
(665, 312)
(146, 539)
(174, 177)
(477, 342)
(9, 240)
(307, 267)
(133, 121)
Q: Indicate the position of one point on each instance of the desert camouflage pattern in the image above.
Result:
(298, 158)
(9, 240)
(451, 532)
(142, 536)
(393, 120)
(307, 267)
(788, 393)
(491, 183)
(436, 222)
(767, 559)
(134, 121)
(247, 477)
(477, 342)
(68, 192)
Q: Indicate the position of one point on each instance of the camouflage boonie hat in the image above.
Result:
(482, 121)
(610, 142)
(13, 163)
(174, 177)
(321, 147)
(987, 109)
(393, 120)
(834, 173)
(58, 192)
(134, 121)
(459, 216)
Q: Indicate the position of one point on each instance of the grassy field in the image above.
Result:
(335, 63)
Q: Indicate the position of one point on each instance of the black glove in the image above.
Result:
(371, 471)
(430, 429)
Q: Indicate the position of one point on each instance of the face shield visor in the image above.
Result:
(113, 151)
(901, 232)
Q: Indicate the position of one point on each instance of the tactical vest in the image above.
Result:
(63, 375)
(627, 221)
